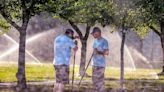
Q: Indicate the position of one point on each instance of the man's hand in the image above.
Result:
(75, 49)
(106, 52)
(77, 37)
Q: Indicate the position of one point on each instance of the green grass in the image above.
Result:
(36, 72)
(134, 79)
(7, 72)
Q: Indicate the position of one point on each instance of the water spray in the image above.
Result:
(16, 46)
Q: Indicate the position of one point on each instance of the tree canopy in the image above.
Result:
(86, 12)
(152, 12)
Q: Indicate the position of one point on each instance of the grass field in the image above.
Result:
(138, 78)
(36, 72)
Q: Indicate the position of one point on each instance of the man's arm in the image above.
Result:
(105, 52)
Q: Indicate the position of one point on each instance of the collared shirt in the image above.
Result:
(101, 45)
(62, 50)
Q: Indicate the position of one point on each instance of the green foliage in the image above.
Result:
(88, 12)
(125, 13)
(13, 9)
(137, 24)
(142, 30)
(152, 11)
(4, 26)
(129, 16)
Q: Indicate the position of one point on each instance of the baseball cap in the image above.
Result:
(69, 31)
(96, 29)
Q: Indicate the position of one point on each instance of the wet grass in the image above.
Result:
(140, 80)
(36, 72)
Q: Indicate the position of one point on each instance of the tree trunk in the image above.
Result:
(83, 40)
(161, 35)
(21, 79)
(152, 49)
(83, 56)
(122, 59)
(141, 46)
(162, 40)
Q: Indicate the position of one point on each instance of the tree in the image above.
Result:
(123, 21)
(126, 19)
(152, 12)
(18, 13)
(85, 12)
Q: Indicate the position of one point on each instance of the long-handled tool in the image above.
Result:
(73, 67)
(85, 70)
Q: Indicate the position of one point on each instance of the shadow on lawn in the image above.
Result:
(112, 85)
(48, 88)
(43, 88)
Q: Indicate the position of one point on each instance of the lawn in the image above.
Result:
(134, 79)
(37, 72)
